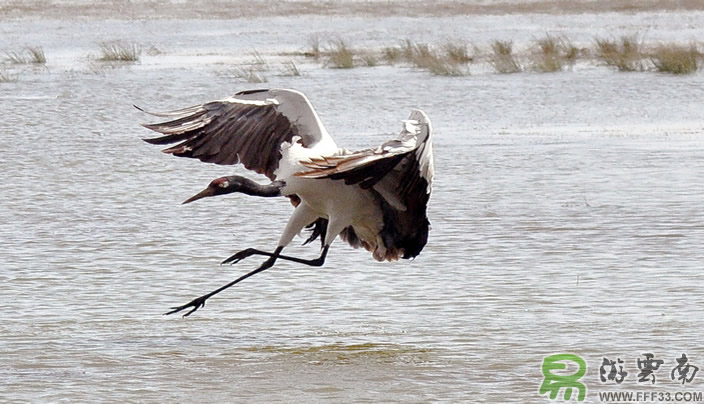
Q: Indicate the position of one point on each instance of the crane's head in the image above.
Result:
(219, 186)
(235, 183)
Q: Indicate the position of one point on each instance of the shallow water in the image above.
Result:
(566, 217)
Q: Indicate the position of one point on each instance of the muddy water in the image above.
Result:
(566, 216)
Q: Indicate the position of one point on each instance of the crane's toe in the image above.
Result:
(239, 256)
(195, 303)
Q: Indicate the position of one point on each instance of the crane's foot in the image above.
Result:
(195, 303)
(239, 256)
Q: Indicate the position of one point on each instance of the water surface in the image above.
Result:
(566, 217)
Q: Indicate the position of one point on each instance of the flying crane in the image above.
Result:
(373, 198)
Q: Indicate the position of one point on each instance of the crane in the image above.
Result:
(374, 198)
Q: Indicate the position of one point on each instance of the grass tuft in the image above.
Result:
(36, 55)
(419, 54)
(392, 55)
(153, 51)
(553, 54)
(676, 59)
(314, 44)
(6, 77)
(290, 69)
(447, 60)
(258, 61)
(502, 57)
(253, 71)
(625, 55)
(340, 56)
(15, 57)
(250, 74)
(436, 62)
(369, 58)
(119, 51)
(457, 52)
(28, 55)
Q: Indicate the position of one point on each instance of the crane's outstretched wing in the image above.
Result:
(403, 166)
(401, 171)
(247, 128)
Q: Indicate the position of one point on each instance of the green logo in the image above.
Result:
(553, 383)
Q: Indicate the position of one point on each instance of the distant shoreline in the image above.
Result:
(222, 9)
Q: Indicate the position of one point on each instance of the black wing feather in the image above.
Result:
(223, 132)
(400, 172)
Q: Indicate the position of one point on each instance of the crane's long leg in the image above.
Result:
(301, 216)
(253, 251)
(199, 302)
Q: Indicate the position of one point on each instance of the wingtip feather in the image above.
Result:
(171, 114)
(151, 140)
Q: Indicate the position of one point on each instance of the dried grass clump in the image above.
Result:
(442, 67)
(28, 55)
(340, 56)
(36, 55)
(290, 69)
(314, 45)
(369, 58)
(404, 53)
(553, 54)
(676, 59)
(250, 74)
(7, 77)
(450, 61)
(625, 55)
(253, 72)
(119, 51)
(439, 65)
(447, 60)
(457, 52)
(419, 53)
(258, 61)
(392, 55)
(502, 57)
(409, 49)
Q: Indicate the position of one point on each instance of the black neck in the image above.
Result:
(249, 187)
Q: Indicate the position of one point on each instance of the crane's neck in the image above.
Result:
(249, 187)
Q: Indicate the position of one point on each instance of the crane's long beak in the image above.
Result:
(202, 194)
